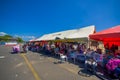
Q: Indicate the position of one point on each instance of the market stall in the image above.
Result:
(109, 36)
(111, 39)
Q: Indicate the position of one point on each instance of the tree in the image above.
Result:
(20, 40)
(5, 38)
(8, 36)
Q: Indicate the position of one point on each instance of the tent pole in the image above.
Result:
(88, 43)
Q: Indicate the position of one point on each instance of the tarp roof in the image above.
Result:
(32, 40)
(75, 33)
(53, 36)
(109, 36)
(111, 33)
(82, 32)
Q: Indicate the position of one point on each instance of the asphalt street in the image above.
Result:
(33, 66)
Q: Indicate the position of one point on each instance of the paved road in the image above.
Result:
(13, 66)
(33, 66)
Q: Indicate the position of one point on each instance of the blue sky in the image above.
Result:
(38, 17)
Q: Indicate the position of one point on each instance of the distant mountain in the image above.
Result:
(2, 33)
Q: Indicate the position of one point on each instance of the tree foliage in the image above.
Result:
(7, 38)
(20, 40)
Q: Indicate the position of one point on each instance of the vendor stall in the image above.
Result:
(109, 36)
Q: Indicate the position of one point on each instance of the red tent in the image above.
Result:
(111, 35)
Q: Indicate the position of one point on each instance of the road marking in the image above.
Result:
(1, 57)
(31, 67)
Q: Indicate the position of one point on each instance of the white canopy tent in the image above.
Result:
(32, 40)
(82, 32)
(44, 37)
(64, 34)
(69, 34)
(53, 36)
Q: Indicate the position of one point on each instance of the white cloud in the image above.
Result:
(31, 37)
(25, 37)
(2, 33)
(16, 35)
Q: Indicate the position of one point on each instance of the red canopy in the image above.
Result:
(111, 35)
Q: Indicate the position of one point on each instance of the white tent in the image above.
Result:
(44, 37)
(64, 34)
(53, 36)
(82, 32)
(71, 34)
(47, 37)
